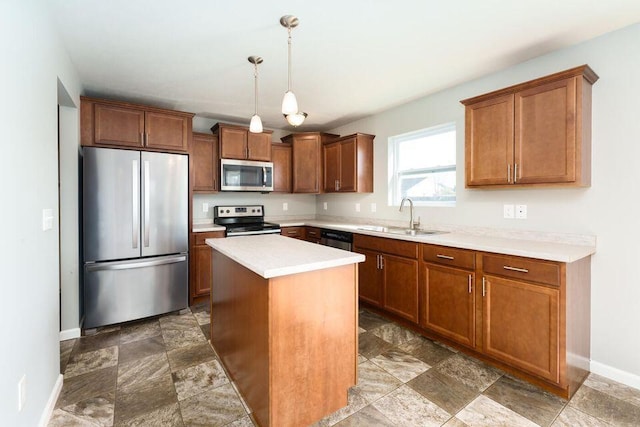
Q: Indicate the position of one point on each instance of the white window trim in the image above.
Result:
(392, 164)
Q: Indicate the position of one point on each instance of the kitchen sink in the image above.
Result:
(400, 230)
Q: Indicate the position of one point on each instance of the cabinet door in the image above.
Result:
(312, 234)
(259, 146)
(489, 142)
(401, 286)
(202, 282)
(233, 143)
(521, 325)
(281, 158)
(166, 131)
(118, 126)
(204, 153)
(295, 232)
(331, 163)
(545, 133)
(370, 278)
(449, 303)
(348, 178)
(307, 168)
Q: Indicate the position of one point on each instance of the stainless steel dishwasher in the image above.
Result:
(336, 239)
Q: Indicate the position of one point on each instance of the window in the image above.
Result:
(422, 166)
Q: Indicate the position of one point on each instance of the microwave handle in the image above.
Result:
(264, 176)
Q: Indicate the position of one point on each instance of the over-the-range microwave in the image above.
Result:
(245, 175)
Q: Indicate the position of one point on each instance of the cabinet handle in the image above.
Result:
(142, 138)
(291, 231)
(338, 184)
(469, 283)
(146, 139)
(444, 256)
(515, 173)
(509, 172)
(484, 288)
(377, 262)
(381, 262)
(520, 270)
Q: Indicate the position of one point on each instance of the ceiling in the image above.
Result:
(351, 58)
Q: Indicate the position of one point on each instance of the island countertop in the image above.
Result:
(271, 255)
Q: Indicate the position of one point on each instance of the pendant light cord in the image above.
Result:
(255, 86)
(289, 42)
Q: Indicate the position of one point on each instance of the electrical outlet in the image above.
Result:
(285, 206)
(205, 207)
(22, 392)
(373, 207)
(357, 207)
(521, 211)
(47, 219)
(324, 206)
(508, 211)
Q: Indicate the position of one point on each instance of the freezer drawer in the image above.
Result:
(127, 290)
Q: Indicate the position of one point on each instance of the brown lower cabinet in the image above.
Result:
(527, 316)
(312, 234)
(200, 266)
(389, 275)
(295, 232)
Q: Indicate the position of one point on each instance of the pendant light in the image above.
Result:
(289, 102)
(255, 126)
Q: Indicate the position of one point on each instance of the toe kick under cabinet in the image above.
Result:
(530, 317)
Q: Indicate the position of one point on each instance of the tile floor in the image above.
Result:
(162, 372)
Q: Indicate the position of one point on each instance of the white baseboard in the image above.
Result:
(51, 403)
(627, 378)
(68, 334)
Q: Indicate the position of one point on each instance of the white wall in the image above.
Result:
(609, 209)
(29, 275)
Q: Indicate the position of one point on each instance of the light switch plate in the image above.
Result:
(508, 211)
(285, 206)
(373, 207)
(521, 211)
(205, 207)
(22, 392)
(357, 207)
(324, 206)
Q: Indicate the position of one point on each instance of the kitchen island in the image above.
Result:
(284, 323)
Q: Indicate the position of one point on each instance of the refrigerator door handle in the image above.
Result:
(146, 190)
(135, 197)
(126, 265)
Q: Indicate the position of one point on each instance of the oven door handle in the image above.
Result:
(264, 176)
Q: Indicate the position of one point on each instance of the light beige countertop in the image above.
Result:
(519, 246)
(272, 255)
(205, 227)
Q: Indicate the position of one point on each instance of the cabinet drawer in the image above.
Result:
(461, 258)
(531, 270)
(295, 232)
(201, 237)
(390, 246)
(313, 233)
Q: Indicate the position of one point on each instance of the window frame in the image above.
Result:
(394, 142)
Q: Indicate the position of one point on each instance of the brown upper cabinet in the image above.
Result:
(122, 124)
(281, 158)
(348, 164)
(306, 160)
(236, 142)
(204, 162)
(534, 133)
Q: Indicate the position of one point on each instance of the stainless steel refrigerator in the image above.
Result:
(135, 237)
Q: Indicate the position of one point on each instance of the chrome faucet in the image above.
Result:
(412, 225)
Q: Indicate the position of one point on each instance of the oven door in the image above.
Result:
(245, 175)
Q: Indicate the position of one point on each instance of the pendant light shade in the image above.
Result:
(289, 102)
(296, 119)
(255, 126)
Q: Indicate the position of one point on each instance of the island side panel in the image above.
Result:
(240, 331)
(314, 346)
(578, 322)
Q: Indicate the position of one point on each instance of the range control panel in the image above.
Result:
(238, 211)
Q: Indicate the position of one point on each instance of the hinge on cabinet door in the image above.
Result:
(483, 288)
